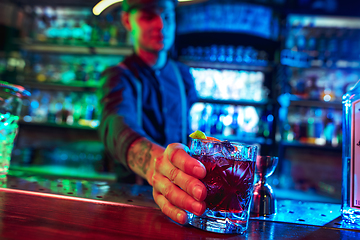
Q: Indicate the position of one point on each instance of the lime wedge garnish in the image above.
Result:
(198, 135)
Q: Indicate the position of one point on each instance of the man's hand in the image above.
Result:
(176, 184)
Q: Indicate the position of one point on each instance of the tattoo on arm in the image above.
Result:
(140, 156)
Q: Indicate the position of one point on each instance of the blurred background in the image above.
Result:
(267, 72)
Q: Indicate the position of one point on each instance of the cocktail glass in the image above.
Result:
(10, 105)
(230, 169)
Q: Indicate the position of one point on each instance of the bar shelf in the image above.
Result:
(73, 86)
(56, 125)
(235, 102)
(299, 144)
(295, 101)
(307, 59)
(223, 65)
(75, 49)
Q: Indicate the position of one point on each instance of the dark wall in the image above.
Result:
(6, 35)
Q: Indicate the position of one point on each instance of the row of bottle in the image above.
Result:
(228, 17)
(325, 43)
(76, 26)
(313, 125)
(227, 54)
(230, 84)
(61, 108)
(67, 68)
(322, 84)
(229, 120)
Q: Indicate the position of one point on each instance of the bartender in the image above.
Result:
(145, 104)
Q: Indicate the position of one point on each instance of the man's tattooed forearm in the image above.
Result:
(140, 156)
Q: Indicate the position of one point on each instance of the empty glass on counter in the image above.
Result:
(229, 181)
(10, 106)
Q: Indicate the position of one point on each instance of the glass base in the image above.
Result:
(220, 222)
(351, 215)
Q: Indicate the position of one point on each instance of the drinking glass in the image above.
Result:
(10, 105)
(229, 181)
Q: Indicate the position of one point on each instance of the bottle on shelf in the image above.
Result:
(77, 33)
(310, 131)
(301, 40)
(312, 91)
(319, 126)
(312, 39)
(68, 74)
(34, 104)
(214, 120)
(60, 99)
(77, 107)
(266, 123)
(230, 54)
(87, 30)
(43, 108)
(290, 40)
(248, 121)
(96, 73)
(67, 112)
(40, 73)
(234, 124)
(80, 73)
(52, 110)
(203, 120)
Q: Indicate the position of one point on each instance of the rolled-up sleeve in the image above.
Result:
(118, 127)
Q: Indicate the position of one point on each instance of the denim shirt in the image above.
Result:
(161, 105)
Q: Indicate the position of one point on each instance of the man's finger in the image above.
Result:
(169, 209)
(193, 186)
(177, 196)
(177, 155)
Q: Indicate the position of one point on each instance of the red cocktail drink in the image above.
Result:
(229, 183)
(230, 170)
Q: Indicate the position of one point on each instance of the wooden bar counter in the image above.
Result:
(53, 208)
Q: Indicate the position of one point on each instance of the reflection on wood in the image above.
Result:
(36, 216)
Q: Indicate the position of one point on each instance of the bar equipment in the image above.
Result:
(264, 202)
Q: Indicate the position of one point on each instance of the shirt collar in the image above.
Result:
(145, 66)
